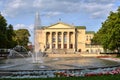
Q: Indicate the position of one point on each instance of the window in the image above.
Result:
(79, 50)
(87, 51)
(71, 46)
(59, 46)
(47, 46)
(53, 46)
(59, 38)
(65, 38)
(65, 46)
(53, 39)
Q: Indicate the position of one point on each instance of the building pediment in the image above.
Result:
(60, 25)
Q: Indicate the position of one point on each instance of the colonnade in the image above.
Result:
(60, 40)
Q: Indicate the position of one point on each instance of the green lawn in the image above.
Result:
(105, 77)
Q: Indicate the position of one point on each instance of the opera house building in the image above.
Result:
(66, 38)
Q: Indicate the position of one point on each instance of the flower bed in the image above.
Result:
(98, 72)
(102, 56)
(61, 73)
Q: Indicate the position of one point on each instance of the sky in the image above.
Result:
(89, 13)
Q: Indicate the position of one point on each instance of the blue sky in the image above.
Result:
(89, 13)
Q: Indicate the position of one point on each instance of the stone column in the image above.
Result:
(62, 36)
(45, 41)
(56, 40)
(68, 40)
(74, 44)
(50, 40)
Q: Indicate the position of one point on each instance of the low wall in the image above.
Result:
(63, 55)
(81, 55)
(91, 54)
(75, 55)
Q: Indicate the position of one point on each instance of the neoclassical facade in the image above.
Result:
(62, 37)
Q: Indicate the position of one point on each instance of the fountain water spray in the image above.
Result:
(37, 25)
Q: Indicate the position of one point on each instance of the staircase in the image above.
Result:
(60, 51)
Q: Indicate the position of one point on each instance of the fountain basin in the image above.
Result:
(55, 63)
(76, 66)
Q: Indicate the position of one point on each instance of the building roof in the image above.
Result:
(60, 23)
(70, 26)
(80, 27)
(90, 32)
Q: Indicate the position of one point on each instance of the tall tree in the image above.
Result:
(109, 33)
(22, 37)
(11, 37)
(3, 28)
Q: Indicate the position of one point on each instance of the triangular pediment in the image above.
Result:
(60, 25)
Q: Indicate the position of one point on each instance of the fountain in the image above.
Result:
(37, 55)
(18, 52)
(38, 66)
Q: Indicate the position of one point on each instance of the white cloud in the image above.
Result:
(98, 10)
(37, 3)
(20, 26)
(97, 14)
(56, 7)
(49, 14)
(23, 26)
(29, 27)
(14, 8)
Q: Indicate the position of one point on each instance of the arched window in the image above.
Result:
(53, 37)
(59, 46)
(65, 37)
(59, 37)
(71, 46)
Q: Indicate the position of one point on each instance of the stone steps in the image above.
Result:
(60, 51)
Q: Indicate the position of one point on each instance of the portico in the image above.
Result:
(60, 39)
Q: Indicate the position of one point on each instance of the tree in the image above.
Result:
(109, 34)
(3, 27)
(11, 37)
(22, 37)
(6, 34)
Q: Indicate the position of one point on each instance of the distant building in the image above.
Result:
(67, 38)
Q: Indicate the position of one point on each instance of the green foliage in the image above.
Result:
(109, 33)
(3, 24)
(10, 38)
(6, 34)
(3, 29)
(3, 40)
(22, 37)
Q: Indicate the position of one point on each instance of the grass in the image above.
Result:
(104, 77)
